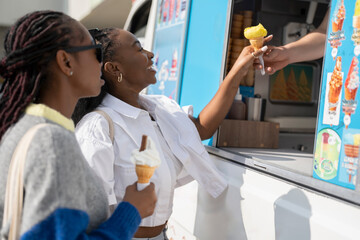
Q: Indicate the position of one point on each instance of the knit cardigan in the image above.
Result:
(63, 197)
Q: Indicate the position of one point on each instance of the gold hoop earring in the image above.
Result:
(120, 78)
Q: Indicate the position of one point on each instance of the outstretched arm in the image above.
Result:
(215, 111)
(310, 47)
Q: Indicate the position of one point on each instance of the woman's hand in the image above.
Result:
(144, 201)
(246, 59)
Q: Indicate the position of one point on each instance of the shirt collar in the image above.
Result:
(42, 110)
(148, 104)
(125, 108)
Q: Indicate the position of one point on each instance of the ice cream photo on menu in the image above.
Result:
(356, 25)
(337, 32)
(349, 103)
(338, 16)
(335, 86)
(146, 160)
(333, 94)
(326, 157)
(349, 159)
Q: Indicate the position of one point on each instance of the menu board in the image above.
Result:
(169, 46)
(336, 157)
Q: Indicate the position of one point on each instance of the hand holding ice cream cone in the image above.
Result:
(146, 159)
(256, 36)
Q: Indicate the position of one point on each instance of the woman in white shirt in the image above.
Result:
(127, 70)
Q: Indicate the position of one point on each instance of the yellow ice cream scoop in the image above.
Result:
(357, 139)
(357, 8)
(255, 32)
(256, 35)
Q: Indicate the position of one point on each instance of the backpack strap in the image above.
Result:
(110, 121)
(13, 205)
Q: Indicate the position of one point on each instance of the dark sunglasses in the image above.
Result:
(98, 48)
(95, 32)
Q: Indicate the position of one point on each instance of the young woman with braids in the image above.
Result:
(51, 61)
(127, 70)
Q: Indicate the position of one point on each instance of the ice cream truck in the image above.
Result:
(292, 173)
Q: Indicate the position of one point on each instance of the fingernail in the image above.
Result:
(264, 48)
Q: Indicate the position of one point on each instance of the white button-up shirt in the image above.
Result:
(183, 157)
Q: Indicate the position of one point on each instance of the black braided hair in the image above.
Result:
(107, 38)
(30, 44)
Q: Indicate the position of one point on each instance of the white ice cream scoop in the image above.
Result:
(149, 156)
(146, 159)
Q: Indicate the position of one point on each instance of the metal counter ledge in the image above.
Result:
(287, 164)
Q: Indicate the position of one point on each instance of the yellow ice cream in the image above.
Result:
(256, 36)
(356, 22)
(255, 32)
(357, 8)
(356, 139)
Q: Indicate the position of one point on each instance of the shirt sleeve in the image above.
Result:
(71, 224)
(188, 109)
(93, 136)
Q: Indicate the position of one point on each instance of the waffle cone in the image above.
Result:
(144, 173)
(356, 21)
(257, 43)
(350, 94)
(335, 83)
(335, 26)
(334, 94)
(351, 150)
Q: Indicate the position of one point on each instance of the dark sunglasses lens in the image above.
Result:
(99, 55)
(94, 32)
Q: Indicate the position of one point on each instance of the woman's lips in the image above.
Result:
(152, 69)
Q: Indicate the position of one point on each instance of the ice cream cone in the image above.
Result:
(144, 173)
(350, 94)
(278, 88)
(335, 85)
(335, 27)
(352, 80)
(338, 19)
(238, 17)
(334, 98)
(334, 94)
(256, 36)
(304, 90)
(257, 43)
(340, 24)
(291, 86)
(146, 160)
